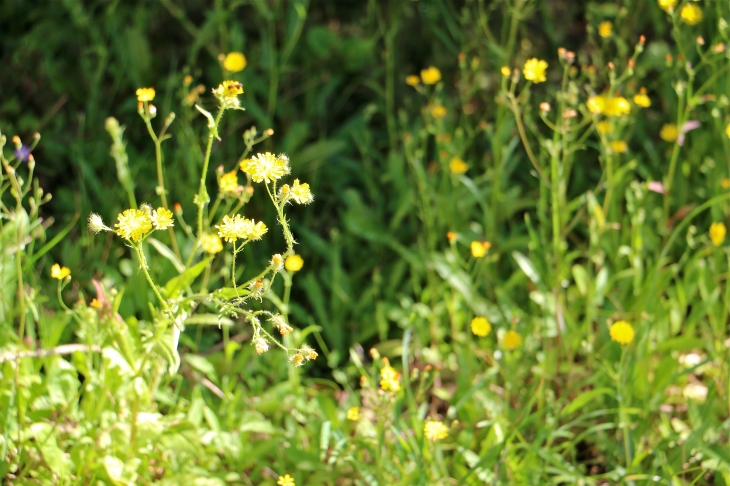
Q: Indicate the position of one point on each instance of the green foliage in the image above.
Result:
(482, 194)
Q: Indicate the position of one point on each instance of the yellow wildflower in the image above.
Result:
(619, 146)
(58, 272)
(211, 243)
(667, 5)
(669, 132)
(238, 227)
(438, 111)
(412, 80)
(642, 99)
(479, 248)
(534, 70)
(725, 183)
(505, 71)
(227, 93)
(511, 340)
(353, 413)
(617, 106)
(266, 167)
(604, 127)
(132, 224)
(605, 29)
(286, 480)
(294, 263)
(691, 14)
(480, 326)
(234, 62)
(431, 75)
(717, 233)
(161, 218)
(229, 182)
(727, 130)
(435, 430)
(297, 360)
(95, 304)
(145, 94)
(596, 104)
(622, 332)
(458, 166)
(301, 193)
(389, 379)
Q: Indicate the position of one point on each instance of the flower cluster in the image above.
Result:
(237, 227)
(435, 430)
(609, 105)
(304, 354)
(297, 192)
(133, 224)
(227, 93)
(389, 379)
(58, 272)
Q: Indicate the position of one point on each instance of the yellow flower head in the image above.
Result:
(132, 224)
(505, 71)
(353, 413)
(301, 193)
(642, 99)
(691, 14)
(297, 360)
(145, 94)
(622, 332)
(667, 5)
(238, 227)
(604, 127)
(229, 182)
(619, 146)
(412, 80)
(161, 218)
(431, 75)
(605, 29)
(438, 111)
(58, 272)
(227, 93)
(617, 106)
(286, 480)
(725, 183)
(480, 326)
(294, 263)
(717, 233)
(534, 70)
(234, 62)
(511, 340)
(479, 248)
(266, 167)
(596, 104)
(211, 244)
(727, 130)
(390, 379)
(458, 166)
(669, 132)
(435, 430)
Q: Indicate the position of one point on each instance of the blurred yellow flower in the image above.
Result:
(435, 430)
(353, 413)
(301, 193)
(145, 94)
(622, 332)
(412, 80)
(511, 340)
(480, 326)
(691, 14)
(132, 224)
(266, 167)
(534, 70)
(727, 130)
(95, 304)
(238, 227)
(438, 111)
(717, 233)
(604, 127)
(479, 248)
(458, 166)
(211, 243)
(58, 272)
(725, 183)
(161, 218)
(596, 104)
(294, 263)
(234, 62)
(451, 236)
(619, 146)
(286, 480)
(667, 5)
(605, 29)
(390, 379)
(431, 75)
(642, 99)
(617, 106)
(505, 71)
(669, 132)
(229, 182)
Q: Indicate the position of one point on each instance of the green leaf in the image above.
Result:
(582, 400)
(177, 284)
(681, 343)
(209, 319)
(526, 266)
(166, 252)
(202, 365)
(581, 278)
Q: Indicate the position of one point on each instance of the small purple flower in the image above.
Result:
(688, 126)
(22, 153)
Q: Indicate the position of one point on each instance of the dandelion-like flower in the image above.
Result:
(277, 262)
(96, 224)
(438, 111)
(286, 480)
(725, 183)
(642, 99)
(389, 379)
(596, 104)
(211, 244)
(505, 71)
(412, 80)
(132, 224)
(617, 106)
(229, 182)
(294, 263)
(266, 167)
(234, 62)
(691, 14)
(717, 233)
(534, 70)
(353, 413)
(669, 132)
(308, 353)
(727, 130)
(511, 340)
(162, 218)
(667, 5)
(260, 345)
(480, 248)
(145, 94)
(605, 29)
(58, 272)
(458, 166)
(435, 430)
(237, 227)
(622, 332)
(480, 326)
(301, 193)
(619, 146)
(431, 75)
(604, 127)
(227, 93)
(297, 360)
